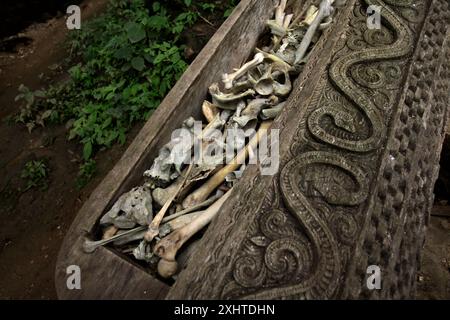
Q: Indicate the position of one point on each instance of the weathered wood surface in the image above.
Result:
(361, 138)
(105, 275)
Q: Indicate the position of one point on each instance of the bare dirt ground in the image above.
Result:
(33, 223)
(433, 280)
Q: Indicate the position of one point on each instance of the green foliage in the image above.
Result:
(229, 8)
(35, 173)
(123, 63)
(30, 98)
(209, 7)
(86, 172)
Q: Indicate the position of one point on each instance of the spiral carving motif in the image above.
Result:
(339, 76)
(285, 256)
(345, 227)
(248, 273)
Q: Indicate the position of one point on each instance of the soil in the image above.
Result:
(433, 280)
(34, 222)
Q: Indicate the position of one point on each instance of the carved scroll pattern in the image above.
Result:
(299, 245)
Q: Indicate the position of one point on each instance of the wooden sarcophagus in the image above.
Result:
(360, 136)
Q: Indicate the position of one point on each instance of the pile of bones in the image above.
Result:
(248, 98)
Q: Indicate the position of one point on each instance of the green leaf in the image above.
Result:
(138, 63)
(158, 22)
(122, 137)
(156, 6)
(72, 134)
(125, 67)
(135, 32)
(107, 122)
(148, 57)
(87, 150)
(123, 53)
(187, 2)
(227, 13)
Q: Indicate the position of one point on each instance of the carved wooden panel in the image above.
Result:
(361, 139)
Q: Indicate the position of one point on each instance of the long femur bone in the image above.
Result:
(168, 247)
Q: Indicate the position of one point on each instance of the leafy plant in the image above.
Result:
(35, 173)
(86, 172)
(211, 7)
(122, 64)
(229, 8)
(30, 97)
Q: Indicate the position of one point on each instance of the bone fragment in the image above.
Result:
(272, 113)
(207, 188)
(228, 101)
(287, 20)
(109, 232)
(229, 78)
(153, 228)
(251, 112)
(89, 246)
(193, 208)
(274, 58)
(279, 12)
(172, 156)
(209, 110)
(131, 209)
(325, 10)
(165, 229)
(168, 247)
